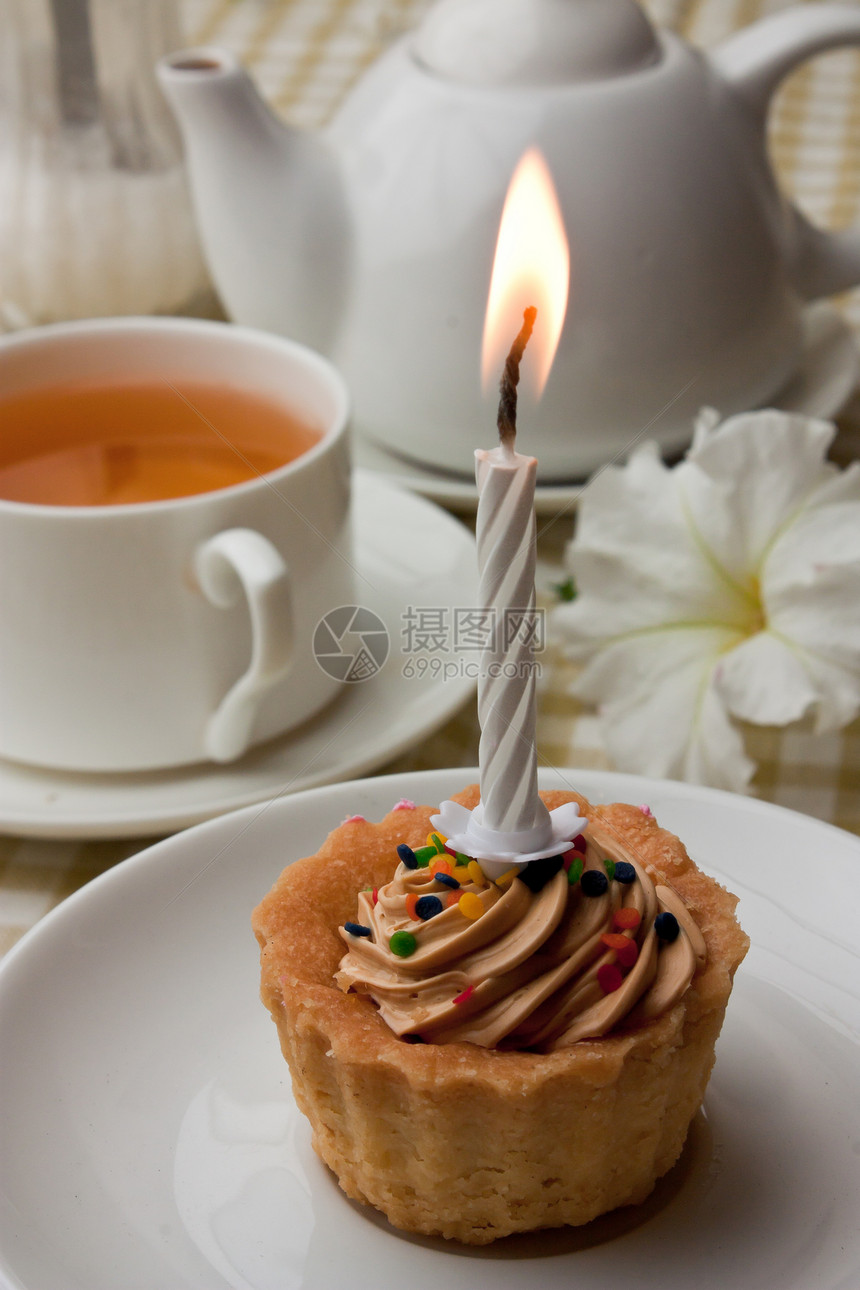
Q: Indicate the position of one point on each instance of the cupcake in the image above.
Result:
(485, 1054)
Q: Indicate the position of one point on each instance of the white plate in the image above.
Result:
(148, 1139)
(410, 554)
(825, 378)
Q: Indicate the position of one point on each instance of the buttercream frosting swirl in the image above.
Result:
(530, 971)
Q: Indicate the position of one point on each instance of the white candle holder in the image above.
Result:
(498, 850)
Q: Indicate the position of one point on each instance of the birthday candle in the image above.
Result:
(506, 542)
(510, 827)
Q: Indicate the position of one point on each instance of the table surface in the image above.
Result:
(305, 55)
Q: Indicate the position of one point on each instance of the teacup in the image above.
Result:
(140, 629)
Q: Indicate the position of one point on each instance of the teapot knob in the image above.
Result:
(515, 43)
(754, 62)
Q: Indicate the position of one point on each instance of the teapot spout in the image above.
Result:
(268, 198)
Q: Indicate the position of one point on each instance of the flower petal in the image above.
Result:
(716, 757)
(660, 712)
(634, 560)
(764, 681)
(844, 486)
(745, 480)
(811, 595)
(825, 533)
(823, 624)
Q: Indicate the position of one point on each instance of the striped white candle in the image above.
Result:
(506, 540)
(506, 687)
(510, 826)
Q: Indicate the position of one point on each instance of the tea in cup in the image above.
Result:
(174, 522)
(115, 443)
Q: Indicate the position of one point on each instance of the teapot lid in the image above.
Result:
(535, 42)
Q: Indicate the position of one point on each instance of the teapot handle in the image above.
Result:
(753, 62)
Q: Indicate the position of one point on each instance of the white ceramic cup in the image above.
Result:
(159, 634)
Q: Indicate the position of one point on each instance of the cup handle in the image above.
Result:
(233, 563)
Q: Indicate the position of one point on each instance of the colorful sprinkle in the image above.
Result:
(627, 954)
(538, 873)
(407, 856)
(403, 805)
(357, 929)
(614, 940)
(609, 977)
(574, 873)
(627, 917)
(447, 880)
(403, 944)
(646, 810)
(457, 856)
(464, 995)
(476, 873)
(442, 865)
(428, 907)
(609, 866)
(410, 902)
(624, 872)
(667, 927)
(355, 819)
(367, 889)
(434, 840)
(461, 873)
(424, 855)
(578, 843)
(470, 905)
(505, 879)
(594, 883)
(573, 854)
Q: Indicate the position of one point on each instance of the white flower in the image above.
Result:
(727, 587)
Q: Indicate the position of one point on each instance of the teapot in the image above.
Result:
(374, 240)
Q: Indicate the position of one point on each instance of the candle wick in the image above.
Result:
(507, 418)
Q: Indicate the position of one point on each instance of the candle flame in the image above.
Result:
(531, 267)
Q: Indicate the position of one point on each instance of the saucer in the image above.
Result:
(824, 381)
(149, 1139)
(409, 554)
